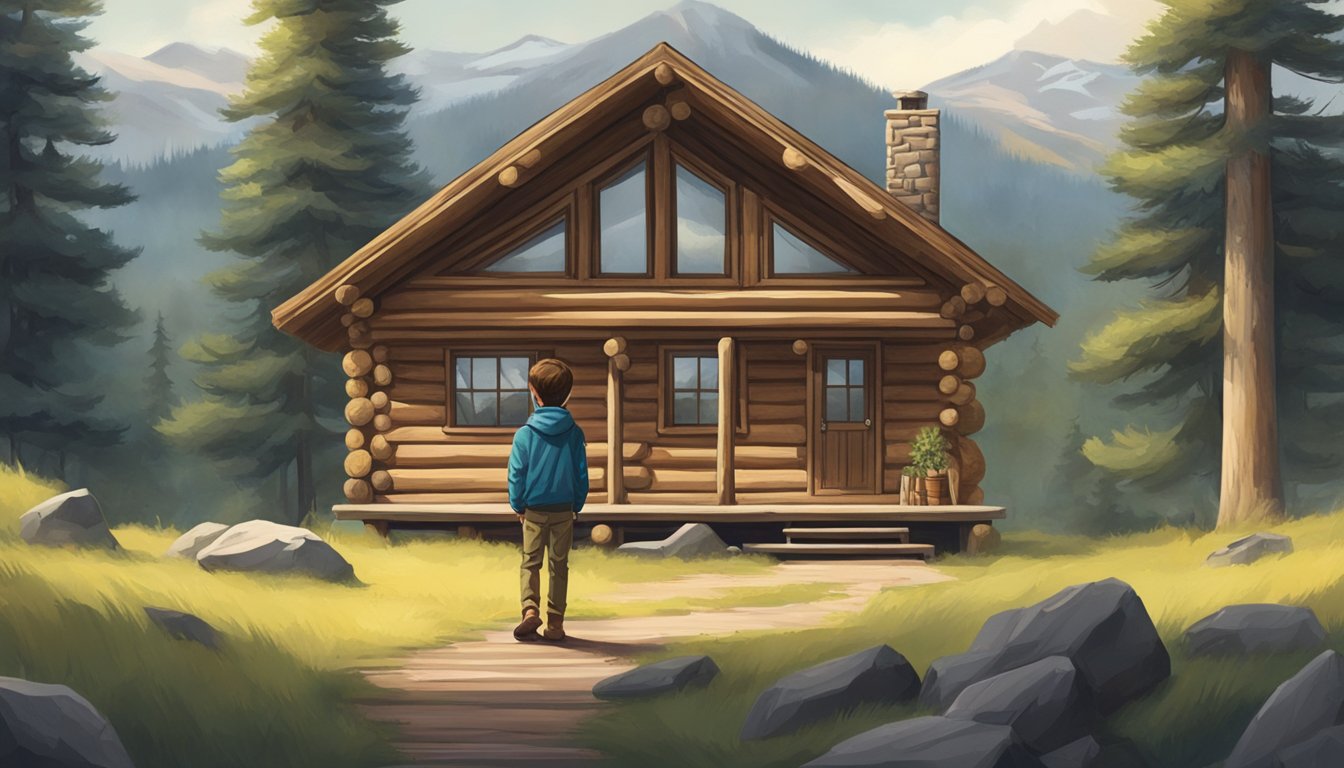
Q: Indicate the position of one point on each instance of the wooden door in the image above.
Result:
(843, 429)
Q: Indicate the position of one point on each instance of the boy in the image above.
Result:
(548, 483)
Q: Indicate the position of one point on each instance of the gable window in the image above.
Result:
(623, 247)
(792, 255)
(695, 389)
(543, 252)
(490, 390)
(702, 226)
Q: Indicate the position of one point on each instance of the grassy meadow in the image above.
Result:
(278, 692)
(1192, 720)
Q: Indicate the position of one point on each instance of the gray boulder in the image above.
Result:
(260, 546)
(1045, 703)
(51, 726)
(184, 626)
(1324, 750)
(1102, 627)
(878, 675)
(930, 742)
(658, 678)
(1255, 628)
(73, 518)
(1077, 754)
(1304, 705)
(1249, 549)
(690, 540)
(190, 544)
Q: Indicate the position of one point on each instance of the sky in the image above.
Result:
(898, 43)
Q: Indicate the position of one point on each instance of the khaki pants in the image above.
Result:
(552, 529)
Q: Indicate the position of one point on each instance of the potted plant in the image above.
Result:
(910, 486)
(928, 455)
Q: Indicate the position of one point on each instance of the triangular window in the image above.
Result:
(544, 252)
(791, 255)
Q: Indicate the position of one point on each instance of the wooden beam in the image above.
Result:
(996, 296)
(840, 319)
(725, 483)
(347, 295)
(509, 177)
(433, 294)
(793, 159)
(529, 158)
(953, 308)
(973, 293)
(362, 308)
(678, 106)
(657, 118)
(615, 425)
(966, 333)
(663, 74)
(800, 347)
(358, 491)
(614, 346)
(357, 363)
(865, 201)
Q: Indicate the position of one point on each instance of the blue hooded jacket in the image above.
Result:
(549, 462)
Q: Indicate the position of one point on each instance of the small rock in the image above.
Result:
(53, 727)
(1044, 703)
(1256, 628)
(1102, 627)
(930, 742)
(71, 518)
(1249, 549)
(189, 544)
(690, 540)
(1078, 754)
(185, 626)
(878, 675)
(659, 677)
(1304, 705)
(1324, 750)
(260, 546)
(734, 551)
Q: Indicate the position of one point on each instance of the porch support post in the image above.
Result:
(617, 363)
(724, 468)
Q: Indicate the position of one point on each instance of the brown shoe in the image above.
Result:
(526, 631)
(555, 629)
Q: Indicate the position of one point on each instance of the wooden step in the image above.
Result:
(841, 550)
(899, 534)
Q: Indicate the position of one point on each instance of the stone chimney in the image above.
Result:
(912, 153)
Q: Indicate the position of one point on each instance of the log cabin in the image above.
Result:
(757, 330)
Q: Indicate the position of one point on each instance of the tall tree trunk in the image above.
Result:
(1252, 490)
(306, 494)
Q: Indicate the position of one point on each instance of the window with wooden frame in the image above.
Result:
(791, 253)
(540, 244)
(624, 240)
(487, 390)
(701, 233)
(689, 390)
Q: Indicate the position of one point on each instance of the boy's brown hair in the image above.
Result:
(552, 379)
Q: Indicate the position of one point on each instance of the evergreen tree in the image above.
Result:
(159, 395)
(327, 170)
(54, 297)
(1200, 120)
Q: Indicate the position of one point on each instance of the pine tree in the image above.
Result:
(1195, 128)
(327, 170)
(159, 394)
(54, 296)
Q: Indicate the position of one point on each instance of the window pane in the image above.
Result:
(836, 404)
(709, 408)
(856, 372)
(463, 411)
(858, 409)
(513, 372)
(684, 373)
(543, 253)
(513, 408)
(684, 408)
(623, 208)
(485, 404)
(463, 366)
(835, 372)
(701, 225)
(483, 373)
(709, 373)
(793, 256)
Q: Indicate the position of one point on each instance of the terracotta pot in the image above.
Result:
(937, 490)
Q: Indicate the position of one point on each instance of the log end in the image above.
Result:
(657, 118)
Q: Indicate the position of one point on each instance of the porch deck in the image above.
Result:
(946, 527)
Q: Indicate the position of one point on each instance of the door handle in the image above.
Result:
(867, 423)
(823, 425)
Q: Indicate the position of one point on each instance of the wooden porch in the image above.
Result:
(945, 528)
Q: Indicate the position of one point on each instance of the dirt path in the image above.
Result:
(497, 702)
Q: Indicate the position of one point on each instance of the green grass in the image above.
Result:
(278, 692)
(1192, 720)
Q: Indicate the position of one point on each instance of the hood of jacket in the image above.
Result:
(551, 421)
